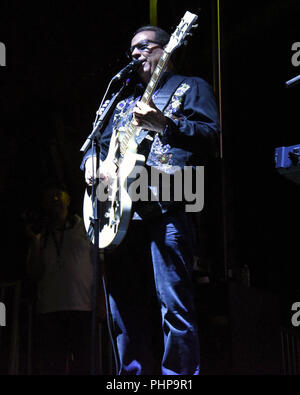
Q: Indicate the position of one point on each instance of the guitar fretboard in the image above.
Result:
(151, 87)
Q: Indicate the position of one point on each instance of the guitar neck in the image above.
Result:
(151, 87)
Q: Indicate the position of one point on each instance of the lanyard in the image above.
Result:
(58, 242)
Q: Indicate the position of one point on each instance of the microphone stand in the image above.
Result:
(90, 141)
(104, 114)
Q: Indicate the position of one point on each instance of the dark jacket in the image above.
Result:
(191, 136)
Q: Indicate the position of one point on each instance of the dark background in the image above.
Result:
(60, 58)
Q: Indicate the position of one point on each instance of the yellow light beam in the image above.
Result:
(153, 12)
(219, 72)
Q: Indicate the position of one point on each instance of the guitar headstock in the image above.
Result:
(178, 37)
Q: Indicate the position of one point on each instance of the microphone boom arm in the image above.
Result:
(132, 66)
(99, 124)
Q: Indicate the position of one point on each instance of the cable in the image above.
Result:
(107, 305)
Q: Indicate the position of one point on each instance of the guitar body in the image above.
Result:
(114, 205)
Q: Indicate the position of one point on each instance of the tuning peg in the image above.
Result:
(194, 26)
(189, 34)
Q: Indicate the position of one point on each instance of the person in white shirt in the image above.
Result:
(60, 264)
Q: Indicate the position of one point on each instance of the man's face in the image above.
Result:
(149, 53)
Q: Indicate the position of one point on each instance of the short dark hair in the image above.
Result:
(161, 36)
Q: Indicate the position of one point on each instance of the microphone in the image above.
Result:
(132, 66)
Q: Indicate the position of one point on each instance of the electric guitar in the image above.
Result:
(122, 159)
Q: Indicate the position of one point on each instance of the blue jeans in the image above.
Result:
(151, 297)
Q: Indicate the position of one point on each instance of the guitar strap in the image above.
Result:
(162, 98)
